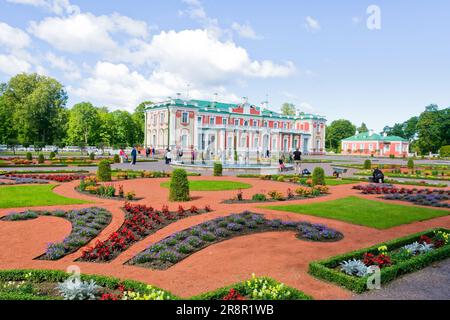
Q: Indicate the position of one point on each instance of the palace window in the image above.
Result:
(199, 120)
(224, 121)
(185, 117)
(236, 122)
(265, 124)
(212, 121)
(275, 125)
(161, 118)
(245, 123)
(285, 125)
(154, 119)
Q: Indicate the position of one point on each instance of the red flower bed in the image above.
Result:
(380, 260)
(233, 295)
(51, 177)
(140, 221)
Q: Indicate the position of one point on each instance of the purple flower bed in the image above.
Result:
(171, 250)
(86, 225)
(424, 197)
(16, 180)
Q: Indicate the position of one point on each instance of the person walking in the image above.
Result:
(147, 152)
(168, 156)
(193, 156)
(180, 154)
(297, 160)
(133, 156)
(153, 152)
(122, 155)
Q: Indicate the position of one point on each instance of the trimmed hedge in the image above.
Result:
(41, 158)
(444, 151)
(324, 269)
(218, 169)
(367, 164)
(38, 276)
(104, 171)
(179, 186)
(318, 176)
(29, 156)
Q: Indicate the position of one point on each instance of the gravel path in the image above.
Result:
(431, 283)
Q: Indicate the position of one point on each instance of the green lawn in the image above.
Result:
(209, 185)
(337, 182)
(29, 196)
(364, 212)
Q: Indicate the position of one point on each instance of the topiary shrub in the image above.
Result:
(116, 158)
(29, 156)
(104, 171)
(367, 164)
(52, 155)
(411, 164)
(218, 169)
(392, 156)
(92, 156)
(41, 158)
(444, 151)
(179, 186)
(318, 176)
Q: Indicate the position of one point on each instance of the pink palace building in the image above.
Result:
(218, 129)
(370, 143)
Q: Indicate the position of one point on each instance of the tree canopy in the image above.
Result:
(338, 130)
(288, 109)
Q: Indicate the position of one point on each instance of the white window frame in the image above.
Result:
(183, 115)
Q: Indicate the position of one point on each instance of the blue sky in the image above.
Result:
(319, 55)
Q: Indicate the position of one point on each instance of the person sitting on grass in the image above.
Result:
(378, 176)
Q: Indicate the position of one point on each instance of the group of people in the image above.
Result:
(179, 155)
(149, 151)
(296, 156)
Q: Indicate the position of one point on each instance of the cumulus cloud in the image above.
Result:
(59, 7)
(11, 65)
(245, 30)
(70, 69)
(13, 38)
(312, 24)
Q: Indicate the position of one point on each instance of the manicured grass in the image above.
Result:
(30, 196)
(337, 182)
(364, 212)
(211, 185)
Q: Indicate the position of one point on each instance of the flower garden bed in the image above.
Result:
(424, 197)
(86, 225)
(8, 181)
(47, 177)
(90, 186)
(140, 222)
(52, 285)
(171, 250)
(297, 194)
(394, 258)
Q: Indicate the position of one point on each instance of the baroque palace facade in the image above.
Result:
(219, 129)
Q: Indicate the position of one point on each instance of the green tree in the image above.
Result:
(338, 130)
(139, 120)
(124, 128)
(288, 109)
(35, 104)
(84, 124)
(363, 128)
(432, 127)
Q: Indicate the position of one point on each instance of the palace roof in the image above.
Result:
(231, 108)
(367, 136)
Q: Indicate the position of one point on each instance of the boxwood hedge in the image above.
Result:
(325, 269)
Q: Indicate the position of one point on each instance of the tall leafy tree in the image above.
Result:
(139, 119)
(37, 103)
(363, 128)
(338, 130)
(433, 129)
(288, 109)
(84, 124)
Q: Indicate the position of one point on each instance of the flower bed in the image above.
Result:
(86, 225)
(394, 258)
(257, 288)
(16, 180)
(90, 186)
(424, 197)
(171, 250)
(58, 285)
(49, 177)
(140, 221)
(297, 194)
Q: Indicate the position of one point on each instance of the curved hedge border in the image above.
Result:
(38, 276)
(324, 269)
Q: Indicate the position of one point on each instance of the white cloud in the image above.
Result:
(13, 38)
(305, 106)
(70, 70)
(86, 32)
(11, 65)
(59, 7)
(196, 12)
(245, 30)
(312, 24)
